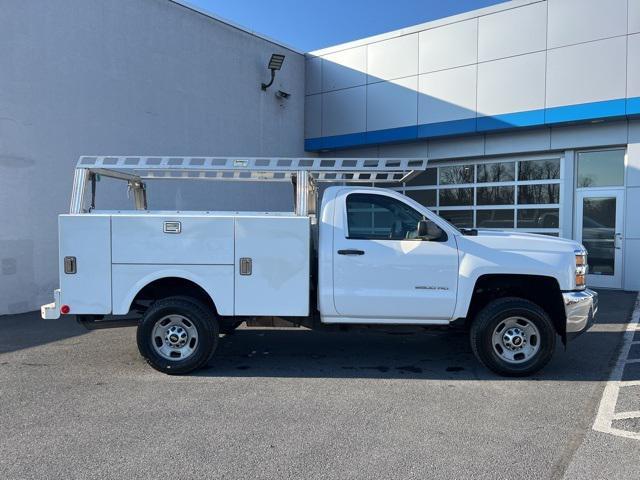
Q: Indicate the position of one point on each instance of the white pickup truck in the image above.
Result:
(370, 257)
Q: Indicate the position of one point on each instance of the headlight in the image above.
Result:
(581, 268)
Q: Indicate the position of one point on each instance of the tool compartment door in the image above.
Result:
(172, 239)
(88, 239)
(274, 254)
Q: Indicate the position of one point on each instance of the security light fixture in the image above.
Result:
(275, 63)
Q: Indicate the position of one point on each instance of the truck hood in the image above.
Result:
(517, 241)
(495, 252)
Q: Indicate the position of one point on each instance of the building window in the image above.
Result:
(497, 172)
(459, 218)
(516, 193)
(495, 218)
(495, 195)
(537, 194)
(539, 169)
(604, 168)
(428, 177)
(539, 217)
(456, 175)
(456, 197)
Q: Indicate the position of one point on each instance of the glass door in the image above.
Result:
(599, 229)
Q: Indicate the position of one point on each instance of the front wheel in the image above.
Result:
(177, 335)
(513, 337)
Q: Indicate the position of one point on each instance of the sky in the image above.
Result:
(309, 26)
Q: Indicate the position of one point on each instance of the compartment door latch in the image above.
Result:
(70, 265)
(172, 227)
(245, 266)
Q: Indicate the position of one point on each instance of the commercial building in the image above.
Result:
(529, 112)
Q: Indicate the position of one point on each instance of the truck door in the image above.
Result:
(382, 270)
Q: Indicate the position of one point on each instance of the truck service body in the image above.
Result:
(368, 256)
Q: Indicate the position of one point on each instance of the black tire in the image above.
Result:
(490, 318)
(198, 317)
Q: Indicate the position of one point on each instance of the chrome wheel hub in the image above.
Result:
(174, 337)
(516, 340)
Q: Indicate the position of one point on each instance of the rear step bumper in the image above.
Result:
(51, 311)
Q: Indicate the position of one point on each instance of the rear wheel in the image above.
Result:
(513, 337)
(178, 335)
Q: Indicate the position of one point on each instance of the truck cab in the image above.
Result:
(367, 257)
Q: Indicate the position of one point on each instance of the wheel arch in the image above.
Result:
(162, 284)
(542, 290)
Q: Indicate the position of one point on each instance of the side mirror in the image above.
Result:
(429, 231)
(423, 228)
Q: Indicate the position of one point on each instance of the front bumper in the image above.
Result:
(51, 311)
(580, 308)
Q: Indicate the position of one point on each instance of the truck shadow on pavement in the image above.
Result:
(445, 355)
(301, 353)
(430, 355)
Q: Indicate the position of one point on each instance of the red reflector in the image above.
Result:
(64, 309)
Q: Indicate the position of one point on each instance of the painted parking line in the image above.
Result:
(630, 383)
(607, 410)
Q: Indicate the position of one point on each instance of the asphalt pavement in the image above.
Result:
(291, 403)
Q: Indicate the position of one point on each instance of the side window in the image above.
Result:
(378, 217)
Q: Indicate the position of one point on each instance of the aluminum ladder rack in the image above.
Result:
(303, 172)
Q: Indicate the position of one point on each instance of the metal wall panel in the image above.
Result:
(449, 46)
(344, 111)
(394, 58)
(633, 155)
(516, 142)
(512, 32)
(632, 226)
(588, 72)
(634, 16)
(633, 66)
(313, 116)
(511, 85)
(392, 104)
(631, 263)
(313, 75)
(576, 21)
(594, 135)
(344, 69)
(456, 147)
(413, 149)
(447, 95)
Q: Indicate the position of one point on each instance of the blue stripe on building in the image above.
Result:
(581, 113)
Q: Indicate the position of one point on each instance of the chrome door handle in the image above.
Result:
(617, 243)
(350, 252)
